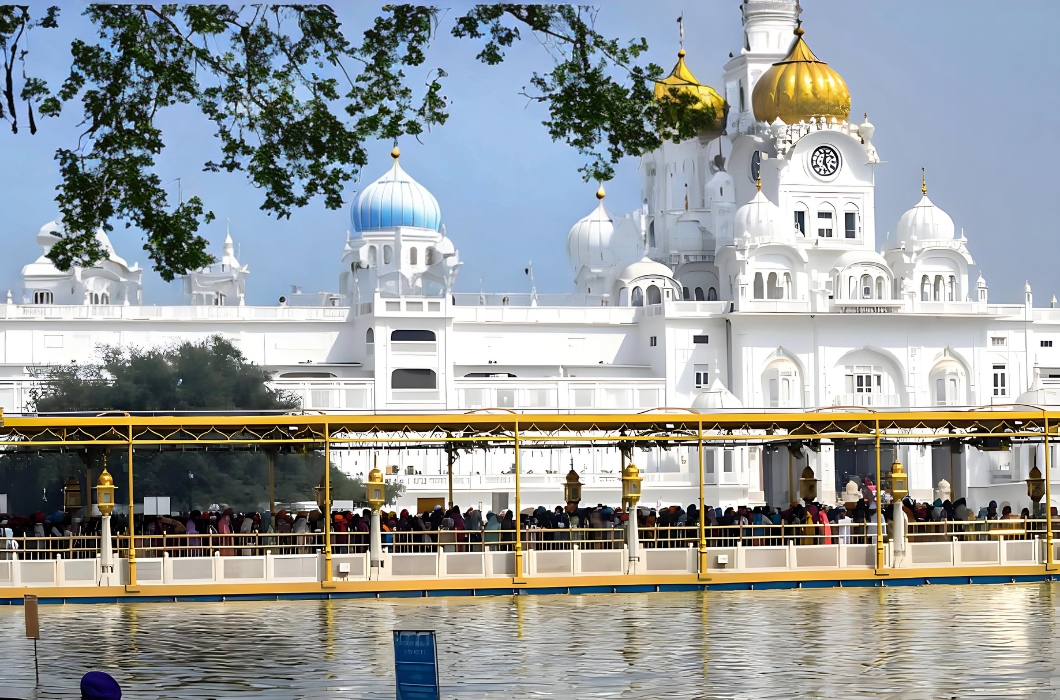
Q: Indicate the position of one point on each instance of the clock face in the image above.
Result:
(825, 161)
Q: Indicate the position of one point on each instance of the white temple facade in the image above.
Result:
(750, 276)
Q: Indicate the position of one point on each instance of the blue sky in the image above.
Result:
(965, 89)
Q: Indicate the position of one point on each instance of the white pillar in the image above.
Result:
(106, 554)
(898, 523)
(375, 544)
(632, 534)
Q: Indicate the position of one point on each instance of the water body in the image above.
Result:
(931, 642)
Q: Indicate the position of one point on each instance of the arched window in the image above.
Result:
(712, 294)
(879, 288)
(388, 254)
(412, 336)
(800, 218)
(825, 221)
(623, 296)
(938, 288)
(951, 289)
(699, 294)
(95, 297)
(42, 296)
(852, 288)
(685, 293)
(946, 383)
(925, 288)
(850, 221)
(637, 297)
(430, 257)
(413, 256)
(369, 336)
(773, 290)
(760, 286)
(866, 287)
(781, 386)
(413, 379)
(654, 295)
(787, 286)
(105, 298)
(651, 234)
(372, 255)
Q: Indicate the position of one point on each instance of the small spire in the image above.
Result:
(758, 179)
(681, 33)
(600, 194)
(923, 182)
(395, 152)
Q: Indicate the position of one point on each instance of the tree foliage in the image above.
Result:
(293, 102)
(207, 375)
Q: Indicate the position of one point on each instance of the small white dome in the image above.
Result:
(644, 268)
(758, 218)
(925, 221)
(717, 396)
(589, 240)
(49, 235)
(721, 188)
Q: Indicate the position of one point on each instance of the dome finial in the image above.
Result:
(923, 182)
(681, 33)
(600, 194)
(395, 152)
(758, 179)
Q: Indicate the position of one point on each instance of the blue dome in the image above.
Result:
(393, 200)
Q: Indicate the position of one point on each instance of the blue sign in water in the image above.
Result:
(415, 665)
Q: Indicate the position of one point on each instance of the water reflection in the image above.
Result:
(979, 641)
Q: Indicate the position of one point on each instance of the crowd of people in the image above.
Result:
(230, 533)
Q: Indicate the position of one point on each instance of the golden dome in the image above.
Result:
(682, 80)
(800, 87)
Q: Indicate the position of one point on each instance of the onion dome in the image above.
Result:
(50, 233)
(925, 221)
(800, 87)
(645, 267)
(589, 240)
(758, 218)
(394, 200)
(682, 81)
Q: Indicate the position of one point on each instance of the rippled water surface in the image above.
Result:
(932, 642)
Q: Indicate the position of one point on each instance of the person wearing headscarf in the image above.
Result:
(473, 523)
(508, 525)
(492, 533)
(246, 528)
(97, 685)
(224, 527)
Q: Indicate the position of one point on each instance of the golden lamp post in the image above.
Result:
(105, 502)
(1036, 489)
(572, 490)
(631, 479)
(899, 490)
(376, 500)
(808, 486)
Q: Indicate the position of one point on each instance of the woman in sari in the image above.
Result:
(224, 527)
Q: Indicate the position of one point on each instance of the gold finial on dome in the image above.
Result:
(758, 179)
(923, 182)
(395, 153)
(800, 88)
(600, 194)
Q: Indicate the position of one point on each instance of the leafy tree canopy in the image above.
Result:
(293, 98)
(208, 375)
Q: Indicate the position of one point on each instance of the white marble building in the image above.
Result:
(751, 277)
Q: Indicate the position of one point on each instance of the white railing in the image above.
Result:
(227, 313)
(868, 400)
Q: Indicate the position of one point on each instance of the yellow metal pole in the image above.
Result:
(272, 484)
(702, 515)
(791, 477)
(327, 504)
(518, 510)
(1049, 563)
(450, 456)
(880, 560)
(132, 517)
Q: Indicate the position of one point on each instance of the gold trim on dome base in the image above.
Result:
(799, 88)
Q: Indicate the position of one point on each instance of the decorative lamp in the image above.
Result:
(631, 479)
(376, 489)
(105, 493)
(899, 481)
(322, 500)
(72, 495)
(808, 485)
(1035, 486)
(572, 489)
